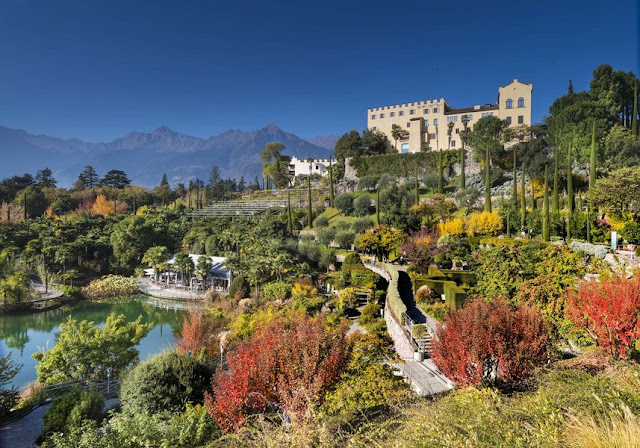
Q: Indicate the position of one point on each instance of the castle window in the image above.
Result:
(381, 115)
(404, 148)
(373, 117)
(426, 123)
(509, 103)
(520, 119)
(401, 113)
(508, 120)
(375, 128)
(412, 111)
(520, 102)
(453, 143)
(435, 110)
(435, 122)
(431, 136)
(457, 131)
(408, 124)
(426, 111)
(392, 114)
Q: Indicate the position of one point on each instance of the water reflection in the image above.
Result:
(23, 334)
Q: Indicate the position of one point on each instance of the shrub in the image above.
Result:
(485, 223)
(342, 224)
(362, 205)
(367, 183)
(418, 331)
(396, 305)
(70, 410)
(351, 259)
(369, 313)
(292, 364)
(111, 286)
(631, 232)
(344, 202)
(424, 294)
(321, 221)
(345, 238)
(491, 343)
(276, 290)
(346, 300)
(199, 332)
(361, 225)
(451, 227)
(165, 383)
(609, 311)
(237, 285)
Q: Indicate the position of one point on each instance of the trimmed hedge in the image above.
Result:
(396, 305)
(71, 409)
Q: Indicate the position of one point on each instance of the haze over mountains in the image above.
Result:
(146, 156)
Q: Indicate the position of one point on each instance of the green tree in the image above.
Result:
(154, 256)
(375, 142)
(275, 165)
(545, 216)
(463, 152)
(84, 351)
(523, 201)
(88, 178)
(348, 145)
(185, 264)
(115, 179)
(331, 197)
(44, 178)
(618, 193)
(396, 133)
(8, 370)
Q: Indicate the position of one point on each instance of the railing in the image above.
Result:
(105, 387)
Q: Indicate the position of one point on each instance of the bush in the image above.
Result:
(344, 202)
(485, 223)
(369, 314)
(396, 305)
(424, 294)
(165, 383)
(276, 290)
(321, 221)
(70, 410)
(111, 286)
(362, 205)
(631, 232)
(237, 285)
(344, 239)
(361, 225)
(418, 331)
(351, 259)
(491, 343)
(367, 183)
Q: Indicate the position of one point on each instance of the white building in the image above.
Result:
(298, 167)
(219, 277)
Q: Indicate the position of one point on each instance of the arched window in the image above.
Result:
(509, 103)
(520, 102)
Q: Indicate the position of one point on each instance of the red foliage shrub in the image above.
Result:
(491, 343)
(609, 312)
(285, 365)
(421, 248)
(197, 334)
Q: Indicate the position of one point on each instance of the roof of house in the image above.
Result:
(472, 109)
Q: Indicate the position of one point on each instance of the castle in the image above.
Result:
(432, 124)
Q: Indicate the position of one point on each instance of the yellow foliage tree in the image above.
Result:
(485, 223)
(103, 207)
(141, 210)
(451, 227)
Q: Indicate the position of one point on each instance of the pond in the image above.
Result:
(23, 334)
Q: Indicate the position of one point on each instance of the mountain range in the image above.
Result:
(145, 157)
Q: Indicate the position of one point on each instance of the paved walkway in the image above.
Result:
(152, 289)
(22, 433)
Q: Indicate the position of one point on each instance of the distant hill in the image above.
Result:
(325, 141)
(146, 156)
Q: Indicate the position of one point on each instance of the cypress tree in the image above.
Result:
(440, 174)
(487, 182)
(515, 177)
(556, 201)
(330, 183)
(533, 194)
(378, 206)
(309, 209)
(523, 201)
(508, 226)
(634, 119)
(592, 158)
(463, 156)
(570, 202)
(545, 215)
(289, 219)
(417, 191)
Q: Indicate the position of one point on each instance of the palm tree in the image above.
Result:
(185, 264)
(396, 133)
(154, 256)
(202, 269)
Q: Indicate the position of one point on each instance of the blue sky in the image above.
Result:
(97, 70)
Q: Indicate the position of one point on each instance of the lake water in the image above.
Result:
(25, 333)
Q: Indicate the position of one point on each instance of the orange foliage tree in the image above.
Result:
(102, 206)
(198, 333)
(609, 312)
(284, 366)
(491, 343)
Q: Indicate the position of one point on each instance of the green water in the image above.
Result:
(25, 333)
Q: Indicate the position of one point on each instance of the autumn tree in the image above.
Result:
(609, 312)
(491, 343)
(381, 240)
(102, 206)
(289, 366)
(421, 248)
(200, 332)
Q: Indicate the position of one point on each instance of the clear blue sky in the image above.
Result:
(99, 69)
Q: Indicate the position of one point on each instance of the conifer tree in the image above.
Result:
(330, 183)
(515, 177)
(378, 206)
(545, 215)
(556, 201)
(634, 119)
(440, 174)
(487, 182)
(309, 209)
(592, 159)
(523, 201)
(417, 191)
(570, 202)
(289, 219)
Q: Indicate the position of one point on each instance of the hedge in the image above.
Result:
(396, 305)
